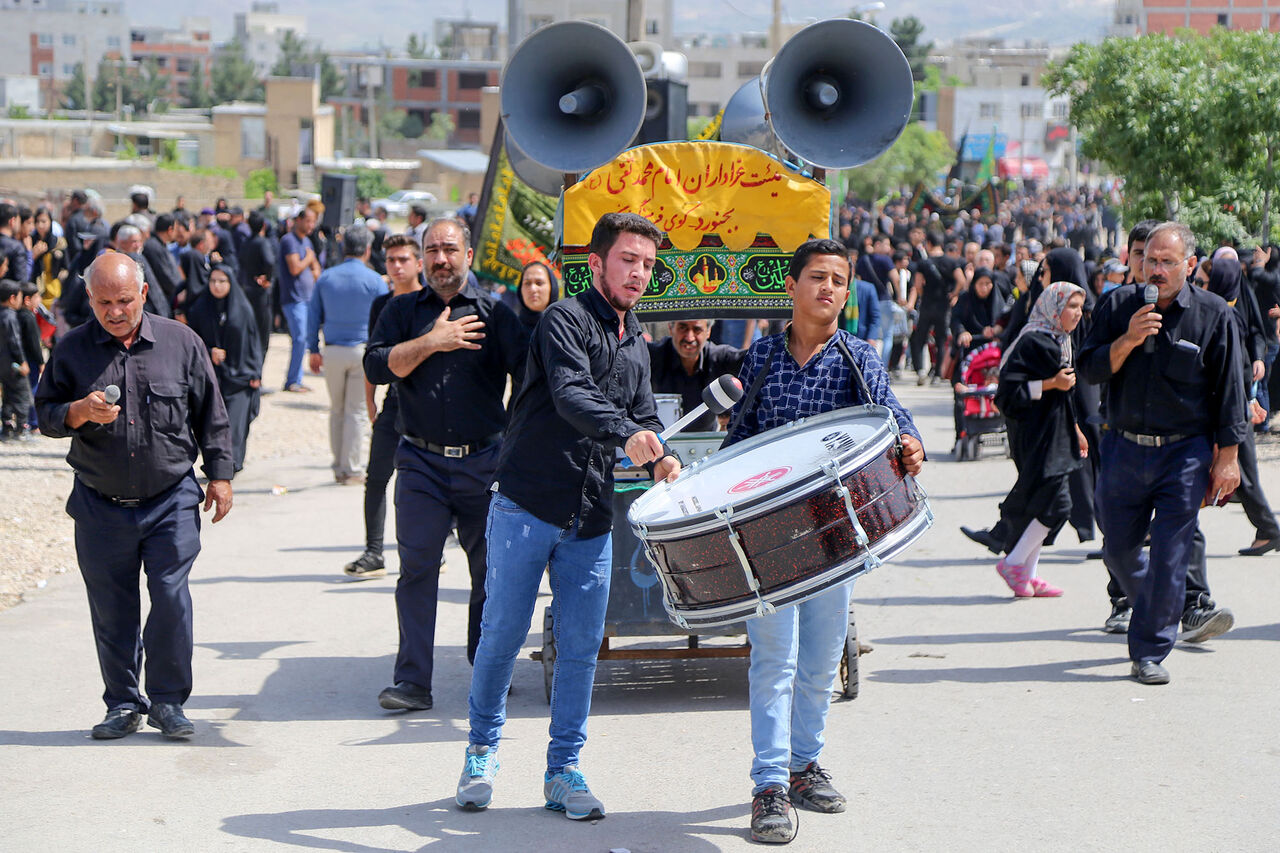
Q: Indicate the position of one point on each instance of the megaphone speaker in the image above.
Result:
(573, 96)
(839, 93)
(532, 173)
(666, 112)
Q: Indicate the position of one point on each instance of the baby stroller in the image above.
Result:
(975, 408)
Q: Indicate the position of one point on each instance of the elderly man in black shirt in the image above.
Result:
(1176, 415)
(685, 363)
(586, 393)
(449, 348)
(137, 395)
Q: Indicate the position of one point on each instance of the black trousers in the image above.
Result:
(161, 538)
(1252, 498)
(382, 464)
(261, 301)
(932, 320)
(16, 405)
(431, 490)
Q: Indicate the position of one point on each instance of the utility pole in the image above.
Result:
(373, 119)
(775, 27)
(635, 20)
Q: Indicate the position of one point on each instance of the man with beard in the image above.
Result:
(449, 348)
(686, 362)
(586, 393)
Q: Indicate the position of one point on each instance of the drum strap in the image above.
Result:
(857, 372)
(749, 399)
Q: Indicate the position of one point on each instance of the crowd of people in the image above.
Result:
(1130, 380)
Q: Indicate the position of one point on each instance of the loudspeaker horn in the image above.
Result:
(573, 96)
(838, 93)
(532, 173)
(745, 120)
(649, 57)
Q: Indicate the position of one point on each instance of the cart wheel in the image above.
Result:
(975, 447)
(849, 661)
(548, 651)
(961, 448)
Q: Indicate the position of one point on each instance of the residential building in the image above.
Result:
(992, 63)
(177, 53)
(290, 133)
(260, 30)
(1031, 128)
(19, 90)
(719, 65)
(654, 19)
(468, 40)
(1166, 16)
(48, 38)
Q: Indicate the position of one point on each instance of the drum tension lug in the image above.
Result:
(725, 514)
(668, 594)
(832, 470)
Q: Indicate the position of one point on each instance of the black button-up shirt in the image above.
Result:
(170, 407)
(452, 397)
(1190, 385)
(670, 377)
(586, 392)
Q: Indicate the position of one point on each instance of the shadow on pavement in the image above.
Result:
(1051, 671)
(928, 600)
(440, 825)
(1083, 635)
(207, 734)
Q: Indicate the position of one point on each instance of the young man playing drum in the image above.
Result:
(811, 368)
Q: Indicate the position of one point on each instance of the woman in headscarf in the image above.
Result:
(1036, 378)
(49, 267)
(975, 319)
(224, 320)
(1225, 279)
(538, 288)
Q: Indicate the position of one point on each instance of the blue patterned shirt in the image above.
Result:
(791, 392)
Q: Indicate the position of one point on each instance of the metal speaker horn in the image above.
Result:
(838, 93)
(573, 96)
(532, 173)
(745, 121)
(649, 56)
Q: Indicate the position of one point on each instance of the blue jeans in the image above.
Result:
(886, 330)
(1264, 389)
(521, 546)
(295, 315)
(795, 653)
(1156, 489)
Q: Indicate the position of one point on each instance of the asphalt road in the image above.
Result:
(982, 723)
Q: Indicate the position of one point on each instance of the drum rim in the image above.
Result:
(698, 523)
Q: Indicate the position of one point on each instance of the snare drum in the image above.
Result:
(780, 517)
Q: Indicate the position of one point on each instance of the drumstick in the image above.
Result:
(719, 397)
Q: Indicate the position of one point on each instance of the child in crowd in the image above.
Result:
(13, 364)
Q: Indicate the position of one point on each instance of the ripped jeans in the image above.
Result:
(520, 548)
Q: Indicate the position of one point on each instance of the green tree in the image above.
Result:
(918, 155)
(147, 85)
(298, 60)
(906, 32)
(233, 76)
(293, 52)
(417, 47)
(198, 94)
(442, 125)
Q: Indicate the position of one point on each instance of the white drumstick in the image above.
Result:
(719, 397)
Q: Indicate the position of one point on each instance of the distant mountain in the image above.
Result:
(341, 25)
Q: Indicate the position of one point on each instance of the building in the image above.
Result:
(651, 20)
(260, 30)
(48, 38)
(719, 65)
(1032, 132)
(177, 53)
(19, 91)
(1137, 17)
(467, 39)
(420, 87)
(992, 63)
(288, 134)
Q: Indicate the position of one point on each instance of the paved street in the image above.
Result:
(983, 723)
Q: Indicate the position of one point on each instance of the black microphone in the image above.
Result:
(719, 397)
(1150, 295)
(111, 394)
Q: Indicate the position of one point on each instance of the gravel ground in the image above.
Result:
(35, 531)
(36, 534)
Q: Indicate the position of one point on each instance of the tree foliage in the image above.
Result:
(233, 76)
(297, 59)
(918, 155)
(141, 85)
(417, 47)
(906, 32)
(1190, 122)
(198, 94)
(442, 125)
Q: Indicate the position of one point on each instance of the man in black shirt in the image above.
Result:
(10, 246)
(937, 278)
(135, 500)
(586, 393)
(163, 264)
(449, 348)
(685, 363)
(1176, 416)
(258, 272)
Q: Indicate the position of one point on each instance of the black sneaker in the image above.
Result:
(118, 723)
(405, 697)
(771, 817)
(812, 789)
(1205, 621)
(1118, 621)
(169, 719)
(368, 565)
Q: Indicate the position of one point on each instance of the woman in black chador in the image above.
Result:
(1036, 379)
(224, 320)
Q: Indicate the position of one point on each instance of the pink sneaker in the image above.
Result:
(1044, 589)
(1016, 578)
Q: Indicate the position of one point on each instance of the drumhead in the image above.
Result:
(783, 462)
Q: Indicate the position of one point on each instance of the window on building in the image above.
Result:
(67, 69)
(45, 69)
(988, 110)
(750, 69)
(472, 80)
(705, 69)
(1026, 79)
(253, 137)
(45, 39)
(113, 42)
(162, 62)
(651, 27)
(69, 39)
(422, 79)
(1224, 19)
(1061, 109)
(468, 119)
(1035, 110)
(184, 65)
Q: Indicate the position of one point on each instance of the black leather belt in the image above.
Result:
(1151, 440)
(127, 503)
(454, 451)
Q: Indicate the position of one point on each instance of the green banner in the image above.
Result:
(516, 224)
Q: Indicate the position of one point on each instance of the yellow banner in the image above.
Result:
(694, 189)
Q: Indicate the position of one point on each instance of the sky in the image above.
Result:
(344, 25)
